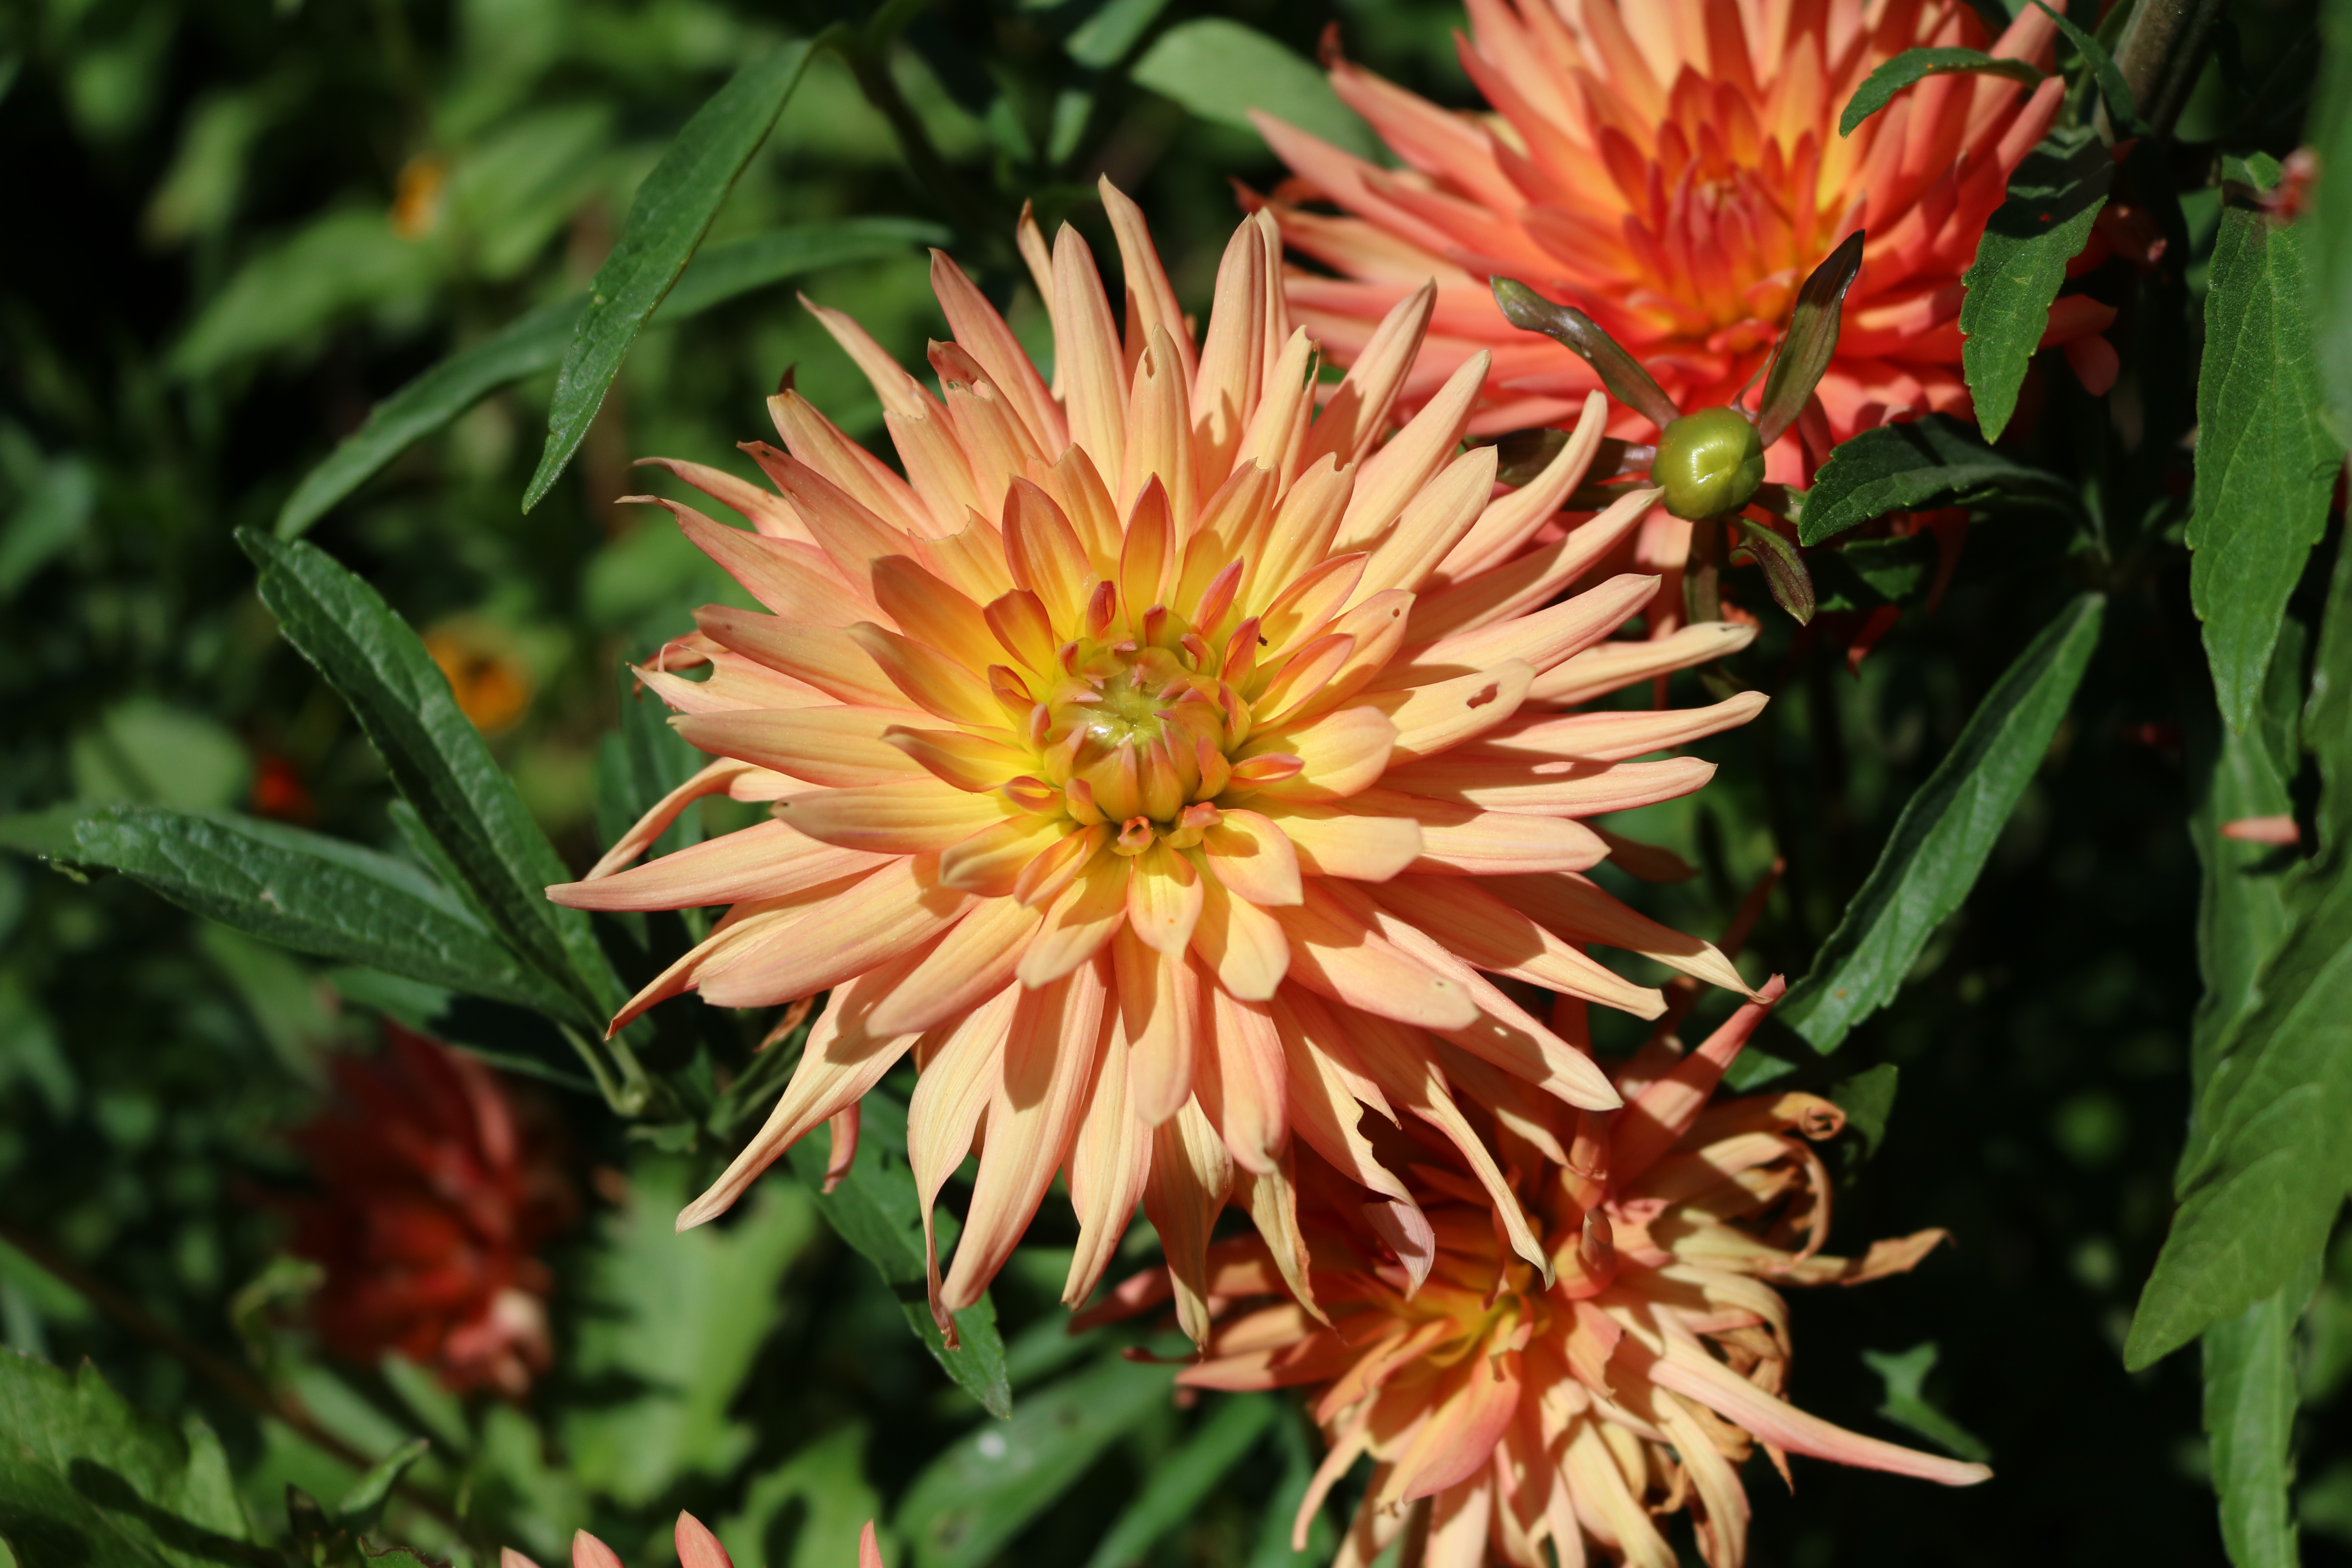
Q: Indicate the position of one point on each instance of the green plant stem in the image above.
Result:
(2162, 54)
(216, 1369)
(1702, 578)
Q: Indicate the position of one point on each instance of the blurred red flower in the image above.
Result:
(436, 1191)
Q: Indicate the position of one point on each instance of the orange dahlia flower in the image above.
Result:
(1632, 1385)
(1674, 169)
(437, 1192)
(1151, 734)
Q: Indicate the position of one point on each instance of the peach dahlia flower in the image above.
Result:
(1154, 733)
(697, 1548)
(1674, 169)
(1579, 1411)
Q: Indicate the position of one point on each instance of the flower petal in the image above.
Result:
(834, 746)
(919, 816)
(766, 861)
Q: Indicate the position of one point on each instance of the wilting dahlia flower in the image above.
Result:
(436, 1193)
(697, 1548)
(1674, 169)
(1631, 1384)
(1154, 733)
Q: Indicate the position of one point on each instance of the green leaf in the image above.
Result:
(1922, 463)
(86, 1481)
(2054, 198)
(672, 210)
(2241, 913)
(535, 343)
(1945, 831)
(2266, 464)
(971, 1499)
(2118, 92)
(1868, 1100)
(1103, 39)
(363, 1504)
(1874, 571)
(677, 1319)
(1571, 327)
(287, 294)
(1298, 1463)
(441, 764)
(875, 1209)
(1906, 1376)
(1181, 1481)
(2274, 1121)
(2328, 133)
(1221, 70)
(827, 1480)
(529, 345)
(1917, 65)
(53, 514)
(2250, 1402)
(311, 893)
(1783, 568)
(1806, 348)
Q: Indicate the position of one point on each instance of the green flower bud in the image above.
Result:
(1711, 463)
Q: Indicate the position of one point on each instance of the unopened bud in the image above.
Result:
(1711, 463)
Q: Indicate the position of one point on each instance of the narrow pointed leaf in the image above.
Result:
(1906, 1376)
(311, 893)
(2274, 1121)
(1946, 830)
(2121, 109)
(1812, 340)
(534, 344)
(1913, 65)
(2266, 466)
(672, 210)
(972, 1499)
(363, 1504)
(2054, 198)
(876, 1210)
(1183, 1481)
(1930, 462)
(2250, 1402)
(378, 664)
(1221, 70)
(1620, 372)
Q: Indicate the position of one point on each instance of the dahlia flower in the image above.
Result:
(437, 1192)
(697, 1548)
(1156, 736)
(1674, 169)
(1630, 1386)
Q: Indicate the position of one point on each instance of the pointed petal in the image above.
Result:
(1159, 1005)
(766, 861)
(830, 745)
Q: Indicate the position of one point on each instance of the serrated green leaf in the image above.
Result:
(2266, 464)
(1806, 348)
(2054, 198)
(440, 762)
(311, 893)
(971, 1499)
(2274, 1123)
(86, 1481)
(535, 343)
(1930, 462)
(1180, 1481)
(2250, 1402)
(1913, 65)
(672, 210)
(677, 1319)
(875, 1209)
(1221, 70)
(1905, 1377)
(1945, 831)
